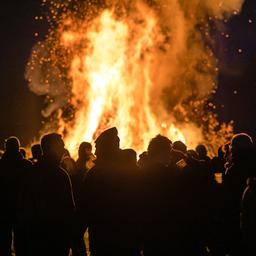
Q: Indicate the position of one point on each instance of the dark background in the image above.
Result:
(20, 109)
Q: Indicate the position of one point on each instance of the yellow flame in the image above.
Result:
(111, 84)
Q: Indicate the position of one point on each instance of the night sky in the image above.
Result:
(20, 109)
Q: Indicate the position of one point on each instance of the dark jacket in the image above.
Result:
(48, 209)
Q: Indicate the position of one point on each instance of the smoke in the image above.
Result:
(219, 8)
(46, 78)
(175, 58)
(188, 67)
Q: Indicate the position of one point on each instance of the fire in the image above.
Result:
(113, 84)
(143, 66)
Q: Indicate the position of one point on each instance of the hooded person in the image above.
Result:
(107, 146)
(105, 192)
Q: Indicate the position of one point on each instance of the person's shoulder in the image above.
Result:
(250, 191)
(93, 175)
(63, 174)
(251, 183)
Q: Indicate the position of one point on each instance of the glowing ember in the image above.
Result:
(139, 66)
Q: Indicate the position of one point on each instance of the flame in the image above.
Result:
(113, 83)
(143, 66)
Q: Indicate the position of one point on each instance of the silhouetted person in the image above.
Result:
(129, 202)
(129, 158)
(179, 146)
(202, 153)
(206, 161)
(242, 164)
(49, 202)
(86, 158)
(77, 177)
(179, 151)
(36, 152)
(14, 170)
(159, 200)
(104, 205)
(83, 164)
(192, 205)
(217, 240)
(218, 162)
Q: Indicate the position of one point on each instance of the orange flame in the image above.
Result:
(111, 81)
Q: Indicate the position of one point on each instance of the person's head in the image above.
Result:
(53, 146)
(36, 151)
(85, 149)
(241, 146)
(201, 151)
(193, 153)
(12, 144)
(180, 146)
(159, 148)
(107, 144)
(129, 157)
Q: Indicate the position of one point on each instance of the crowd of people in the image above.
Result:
(172, 201)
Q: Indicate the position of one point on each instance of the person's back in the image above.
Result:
(53, 208)
(128, 203)
(78, 181)
(111, 211)
(234, 184)
(159, 208)
(14, 170)
(107, 200)
(195, 206)
(159, 200)
(50, 202)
